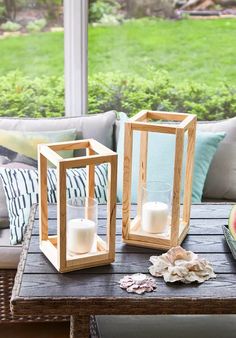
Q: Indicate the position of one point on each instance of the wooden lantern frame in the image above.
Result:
(131, 229)
(54, 247)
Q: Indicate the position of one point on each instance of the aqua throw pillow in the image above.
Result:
(160, 165)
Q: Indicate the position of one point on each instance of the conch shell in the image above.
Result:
(179, 265)
(138, 283)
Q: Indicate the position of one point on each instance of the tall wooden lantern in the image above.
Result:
(56, 248)
(146, 228)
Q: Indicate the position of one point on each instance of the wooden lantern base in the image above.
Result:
(76, 262)
(138, 237)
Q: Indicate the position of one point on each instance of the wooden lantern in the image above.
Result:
(132, 232)
(55, 247)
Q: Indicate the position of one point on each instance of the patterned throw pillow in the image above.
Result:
(21, 190)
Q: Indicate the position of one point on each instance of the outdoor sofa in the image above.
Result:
(105, 128)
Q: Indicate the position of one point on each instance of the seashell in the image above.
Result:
(179, 265)
(138, 283)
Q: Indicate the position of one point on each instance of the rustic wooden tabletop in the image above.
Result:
(40, 289)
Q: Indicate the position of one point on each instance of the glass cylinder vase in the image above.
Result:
(156, 206)
(82, 215)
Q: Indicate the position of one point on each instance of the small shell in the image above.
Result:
(181, 265)
(138, 283)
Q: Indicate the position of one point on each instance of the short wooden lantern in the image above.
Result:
(55, 247)
(145, 122)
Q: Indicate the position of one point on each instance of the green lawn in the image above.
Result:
(199, 50)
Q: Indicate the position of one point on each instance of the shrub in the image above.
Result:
(36, 26)
(10, 26)
(159, 92)
(44, 97)
(39, 97)
(104, 12)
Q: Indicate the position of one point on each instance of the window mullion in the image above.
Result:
(76, 56)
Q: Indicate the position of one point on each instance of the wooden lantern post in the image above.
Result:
(143, 123)
(54, 247)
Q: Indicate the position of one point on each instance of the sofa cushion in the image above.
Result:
(9, 254)
(221, 178)
(99, 127)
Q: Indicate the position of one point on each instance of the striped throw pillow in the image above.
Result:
(21, 191)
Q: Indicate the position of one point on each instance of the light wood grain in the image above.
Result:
(51, 155)
(156, 128)
(78, 162)
(142, 168)
(87, 261)
(127, 175)
(61, 216)
(188, 122)
(90, 176)
(179, 147)
(99, 148)
(43, 196)
(50, 252)
(167, 116)
(189, 171)
(111, 206)
(70, 145)
(141, 116)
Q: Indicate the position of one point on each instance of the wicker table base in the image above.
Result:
(7, 278)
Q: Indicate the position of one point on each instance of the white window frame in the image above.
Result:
(76, 57)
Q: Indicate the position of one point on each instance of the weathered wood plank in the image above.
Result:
(125, 263)
(203, 210)
(107, 286)
(197, 226)
(196, 243)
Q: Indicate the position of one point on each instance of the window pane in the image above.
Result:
(31, 58)
(152, 55)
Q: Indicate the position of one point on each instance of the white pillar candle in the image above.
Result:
(154, 217)
(80, 235)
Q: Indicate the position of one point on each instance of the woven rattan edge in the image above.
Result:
(18, 278)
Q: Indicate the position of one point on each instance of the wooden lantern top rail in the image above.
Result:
(102, 154)
(79, 144)
(140, 121)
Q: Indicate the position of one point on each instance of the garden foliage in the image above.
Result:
(104, 11)
(10, 26)
(159, 92)
(44, 97)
